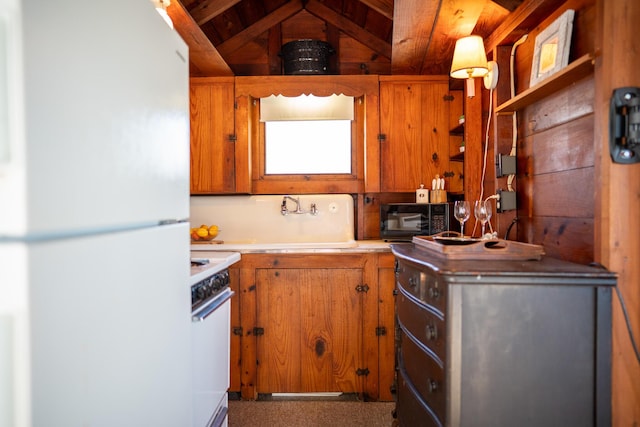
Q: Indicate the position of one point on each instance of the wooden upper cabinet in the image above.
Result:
(212, 135)
(414, 131)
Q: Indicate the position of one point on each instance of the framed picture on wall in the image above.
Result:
(552, 47)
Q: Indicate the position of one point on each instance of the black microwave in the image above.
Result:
(402, 221)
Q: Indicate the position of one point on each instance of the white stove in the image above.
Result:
(211, 328)
(210, 263)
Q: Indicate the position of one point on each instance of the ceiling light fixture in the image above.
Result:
(470, 61)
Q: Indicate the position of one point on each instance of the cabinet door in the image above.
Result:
(312, 322)
(212, 136)
(414, 119)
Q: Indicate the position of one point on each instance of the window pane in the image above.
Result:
(308, 147)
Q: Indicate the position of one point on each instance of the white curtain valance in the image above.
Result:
(306, 107)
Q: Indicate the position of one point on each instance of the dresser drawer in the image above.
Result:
(427, 375)
(422, 323)
(411, 409)
(426, 288)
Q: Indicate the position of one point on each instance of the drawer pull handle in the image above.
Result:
(432, 332)
(434, 293)
(413, 282)
(433, 386)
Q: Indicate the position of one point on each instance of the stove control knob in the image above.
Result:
(201, 292)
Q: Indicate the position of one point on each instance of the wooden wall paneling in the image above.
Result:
(333, 38)
(567, 193)
(617, 203)
(273, 53)
(569, 239)
(559, 178)
(564, 147)
(356, 58)
(245, 115)
(562, 107)
(474, 140)
(372, 143)
(502, 134)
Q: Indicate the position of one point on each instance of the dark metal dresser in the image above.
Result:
(502, 343)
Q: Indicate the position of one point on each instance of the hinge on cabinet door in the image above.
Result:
(231, 137)
(624, 125)
(362, 288)
(449, 174)
(362, 371)
(448, 97)
(258, 331)
(382, 137)
(237, 330)
(380, 331)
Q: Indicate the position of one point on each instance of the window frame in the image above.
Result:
(364, 89)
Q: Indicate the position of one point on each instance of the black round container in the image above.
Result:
(306, 56)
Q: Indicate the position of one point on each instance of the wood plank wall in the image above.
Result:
(617, 201)
(555, 160)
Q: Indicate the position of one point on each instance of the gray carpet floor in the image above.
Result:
(307, 413)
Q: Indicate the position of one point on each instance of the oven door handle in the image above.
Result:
(223, 297)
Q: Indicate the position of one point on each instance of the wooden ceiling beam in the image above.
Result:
(383, 7)
(248, 34)
(209, 9)
(455, 19)
(413, 24)
(349, 27)
(202, 54)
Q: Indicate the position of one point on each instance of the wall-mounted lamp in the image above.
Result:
(470, 61)
(161, 8)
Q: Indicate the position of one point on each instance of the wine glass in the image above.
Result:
(482, 210)
(462, 212)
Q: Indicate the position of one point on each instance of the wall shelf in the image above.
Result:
(458, 130)
(458, 157)
(578, 69)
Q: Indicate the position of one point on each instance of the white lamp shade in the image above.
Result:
(469, 58)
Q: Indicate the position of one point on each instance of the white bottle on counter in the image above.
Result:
(422, 195)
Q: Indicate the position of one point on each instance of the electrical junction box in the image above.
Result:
(505, 165)
(507, 201)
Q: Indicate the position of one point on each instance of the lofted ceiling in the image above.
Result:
(245, 37)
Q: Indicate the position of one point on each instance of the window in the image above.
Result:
(307, 134)
(308, 147)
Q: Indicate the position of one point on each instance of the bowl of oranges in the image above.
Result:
(204, 233)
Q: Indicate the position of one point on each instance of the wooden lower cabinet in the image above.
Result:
(502, 343)
(311, 323)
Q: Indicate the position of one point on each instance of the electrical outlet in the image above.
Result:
(505, 165)
(507, 201)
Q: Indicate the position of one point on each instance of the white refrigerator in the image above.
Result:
(94, 203)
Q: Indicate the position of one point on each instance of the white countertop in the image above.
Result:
(218, 261)
(338, 247)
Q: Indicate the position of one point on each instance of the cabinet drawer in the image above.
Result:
(411, 409)
(423, 324)
(426, 288)
(425, 373)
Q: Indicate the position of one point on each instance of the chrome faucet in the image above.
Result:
(283, 207)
